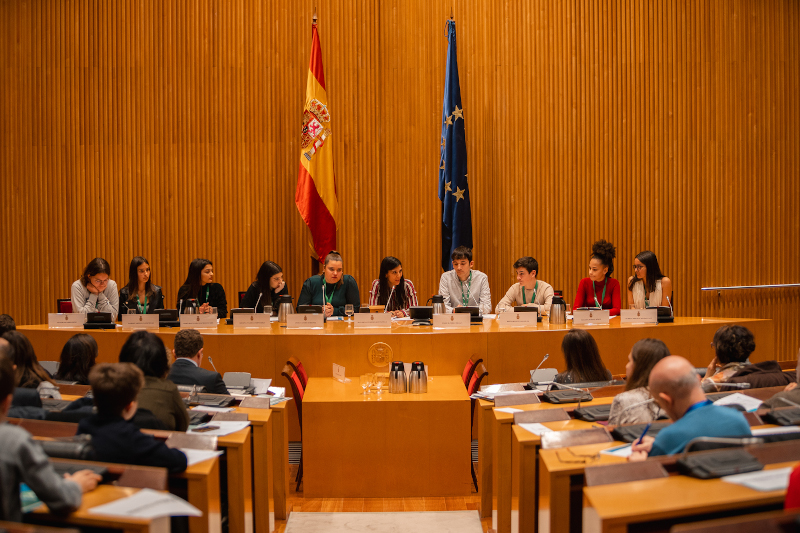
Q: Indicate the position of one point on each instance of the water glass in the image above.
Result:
(212, 311)
(501, 310)
(365, 380)
(379, 381)
(348, 310)
(133, 311)
(268, 310)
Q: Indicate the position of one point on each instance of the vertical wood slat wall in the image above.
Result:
(170, 129)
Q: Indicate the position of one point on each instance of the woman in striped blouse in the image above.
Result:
(391, 290)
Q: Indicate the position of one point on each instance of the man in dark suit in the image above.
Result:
(186, 369)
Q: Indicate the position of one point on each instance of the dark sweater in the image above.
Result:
(763, 374)
(251, 297)
(116, 440)
(345, 293)
(216, 298)
(154, 301)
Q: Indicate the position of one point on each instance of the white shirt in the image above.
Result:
(474, 291)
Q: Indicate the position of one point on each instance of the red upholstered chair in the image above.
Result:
(479, 372)
(64, 305)
(298, 390)
(299, 369)
(241, 297)
(469, 369)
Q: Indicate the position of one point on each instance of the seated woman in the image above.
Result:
(600, 290)
(648, 287)
(140, 294)
(632, 406)
(29, 373)
(583, 359)
(159, 396)
(95, 292)
(77, 357)
(200, 286)
(392, 290)
(332, 289)
(266, 289)
(733, 346)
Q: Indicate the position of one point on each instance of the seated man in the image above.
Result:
(115, 438)
(186, 369)
(528, 290)
(23, 461)
(676, 388)
(463, 286)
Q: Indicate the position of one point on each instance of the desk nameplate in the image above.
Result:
(372, 320)
(305, 321)
(451, 320)
(517, 319)
(251, 320)
(589, 317)
(638, 316)
(139, 321)
(65, 320)
(199, 321)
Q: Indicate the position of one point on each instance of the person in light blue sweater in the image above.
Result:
(676, 388)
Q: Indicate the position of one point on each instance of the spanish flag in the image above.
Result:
(316, 185)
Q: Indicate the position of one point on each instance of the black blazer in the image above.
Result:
(251, 297)
(184, 372)
(216, 298)
(153, 302)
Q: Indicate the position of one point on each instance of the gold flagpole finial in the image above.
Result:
(314, 18)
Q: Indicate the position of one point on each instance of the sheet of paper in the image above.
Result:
(198, 456)
(490, 316)
(535, 428)
(148, 503)
(508, 410)
(775, 431)
(748, 402)
(261, 385)
(278, 391)
(763, 480)
(225, 427)
(209, 409)
(619, 451)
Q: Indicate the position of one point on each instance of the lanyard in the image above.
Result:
(533, 300)
(142, 309)
(602, 298)
(697, 406)
(208, 289)
(465, 300)
(327, 299)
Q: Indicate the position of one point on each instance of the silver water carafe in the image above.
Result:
(397, 378)
(284, 308)
(418, 378)
(558, 309)
(438, 304)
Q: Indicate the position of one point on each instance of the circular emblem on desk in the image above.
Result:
(380, 354)
(140, 318)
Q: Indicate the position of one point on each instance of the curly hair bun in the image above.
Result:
(603, 248)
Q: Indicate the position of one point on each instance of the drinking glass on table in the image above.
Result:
(501, 310)
(348, 310)
(133, 311)
(379, 382)
(365, 380)
(212, 311)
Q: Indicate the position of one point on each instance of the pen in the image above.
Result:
(646, 429)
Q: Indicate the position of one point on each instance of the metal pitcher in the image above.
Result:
(558, 309)
(418, 378)
(438, 304)
(397, 378)
(284, 308)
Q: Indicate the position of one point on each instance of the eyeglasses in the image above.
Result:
(99, 282)
(638, 267)
(576, 457)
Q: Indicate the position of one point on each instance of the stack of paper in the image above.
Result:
(763, 480)
(748, 402)
(148, 503)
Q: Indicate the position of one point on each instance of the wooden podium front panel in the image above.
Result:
(392, 446)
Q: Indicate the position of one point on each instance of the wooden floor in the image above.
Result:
(297, 503)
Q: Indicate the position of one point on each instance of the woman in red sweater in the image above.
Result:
(599, 289)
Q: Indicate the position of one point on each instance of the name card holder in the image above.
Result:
(588, 317)
(518, 398)
(451, 320)
(305, 321)
(139, 321)
(251, 321)
(338, 374)
(204, 321)
(65, 320)
(517, 320)
(575, 437)
(372, 320)
(638, 316)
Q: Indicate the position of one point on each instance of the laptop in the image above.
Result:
(542, 378)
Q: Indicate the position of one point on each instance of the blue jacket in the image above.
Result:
(705, 421)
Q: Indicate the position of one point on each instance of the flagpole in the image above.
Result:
(314, 17)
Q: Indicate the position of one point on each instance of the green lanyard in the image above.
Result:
(465, 299)
(535, 287)
(602, 298)
(208, 290)
(142, 309)
(327, 299)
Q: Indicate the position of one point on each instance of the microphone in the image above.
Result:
(255, 307)
(540, 364)
(565, 386)
(708, 385)
(390, 298)
(180, 306)
(671, 312)
(212, 364)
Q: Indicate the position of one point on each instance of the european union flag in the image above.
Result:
(453, 188)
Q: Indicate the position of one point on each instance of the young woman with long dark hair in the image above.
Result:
(583, 359)
(269, 283)
(95, 291)
(77, 358)
(391, 290)
(140, 294)
(648, 287)
(200, 286)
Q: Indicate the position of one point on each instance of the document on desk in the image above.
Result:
(748, 402)
(618, 451)
(224, 427)
(535, 428)
(148, 503)
(508, 409)
(210, 409)
(763, 480)
(775, 430)
(198, 456)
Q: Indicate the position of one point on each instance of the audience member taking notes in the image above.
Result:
(392, 290)
(115, 438)
(635, 406)
(583, 359)
(23, 461)
(332, 289)
(600, 289)
(186, 369)
(266, 289)
(731, 363)
(200, 286)
(140, 294)
(464, 287)
(528, 290)
(77, 357)
(675, 386)
(648, 287)
(95, 292)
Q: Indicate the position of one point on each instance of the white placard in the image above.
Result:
(372, 320)
(638, 316)
(65, 320)
(451, 320)
(305, 321)
(338, 372)
(204, 321)
(514, 319)
(139, 321)
(251, 320)
(584, 317)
